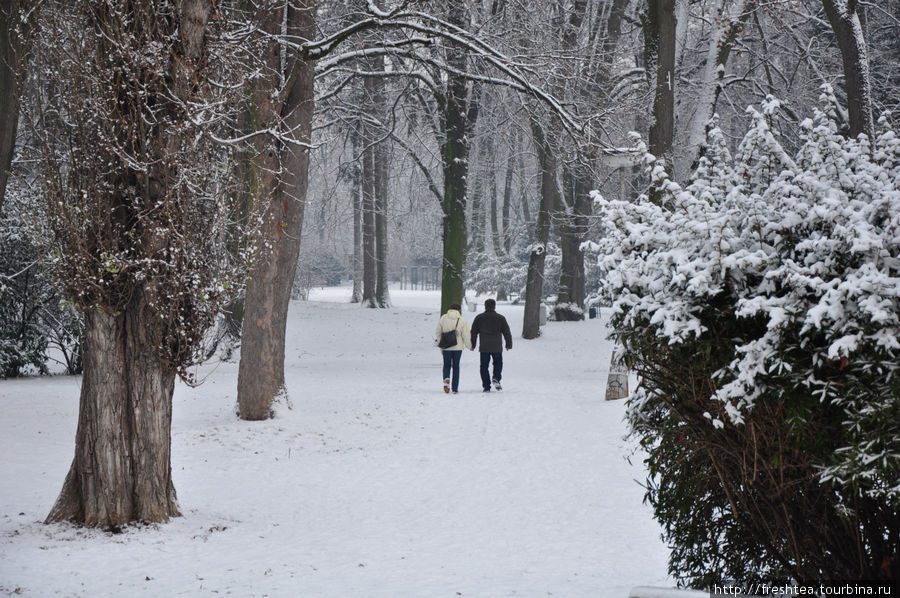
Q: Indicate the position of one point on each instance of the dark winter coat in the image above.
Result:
(493, 329)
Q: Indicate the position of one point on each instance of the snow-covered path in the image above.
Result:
(375, 483)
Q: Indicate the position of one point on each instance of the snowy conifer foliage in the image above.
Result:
(760, 305)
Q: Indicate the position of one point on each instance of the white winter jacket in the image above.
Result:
(450, 320)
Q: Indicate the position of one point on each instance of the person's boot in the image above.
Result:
(446, 385)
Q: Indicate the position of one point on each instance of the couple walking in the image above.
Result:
(493, 329)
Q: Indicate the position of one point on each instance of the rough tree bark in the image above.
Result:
(281, 180)
(844, 19)
(122, 467)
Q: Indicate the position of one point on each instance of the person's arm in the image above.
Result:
(467, 339)
(507, 335)
(476, 325)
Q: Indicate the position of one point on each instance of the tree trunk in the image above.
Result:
(382, 157)
(507, 202)
(459, 117)
(721, 40)
(380, 163)
(122, 468)
(11, 63)
(234, 314)
(476, 227)
(496, 241)
(847, 28)
(534, 285)
(368, 215)
(573, 218)
(261, 371)
(659, 52)
(356, 296)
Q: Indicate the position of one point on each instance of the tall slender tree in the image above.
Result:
(15, 36)
(534, 285)
(283, 99)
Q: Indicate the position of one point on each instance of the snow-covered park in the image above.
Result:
(370, 483)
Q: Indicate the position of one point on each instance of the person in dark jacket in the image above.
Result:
(493, 330)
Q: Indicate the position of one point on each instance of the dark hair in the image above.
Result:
(455, 306)
(490, 304)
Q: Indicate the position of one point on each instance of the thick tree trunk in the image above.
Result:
(659, 53)
(380, 162)
(455, 153)
(368, 218)
(848, 30)
(261, 371)
(459, 116)
(534, 285)
(122, 468)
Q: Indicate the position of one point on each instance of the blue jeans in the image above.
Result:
(451, 360)
(498, 368)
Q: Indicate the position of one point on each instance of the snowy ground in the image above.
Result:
(375, 483)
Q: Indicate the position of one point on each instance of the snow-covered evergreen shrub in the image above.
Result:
(33, 318)
(496, 274)
(760, 305)
(23, 345)
(508, 273)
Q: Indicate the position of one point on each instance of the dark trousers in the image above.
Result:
(451, 360)
(498, 368)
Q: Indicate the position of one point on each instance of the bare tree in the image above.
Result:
(283, 100)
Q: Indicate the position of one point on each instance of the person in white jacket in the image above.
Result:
(453, 320)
